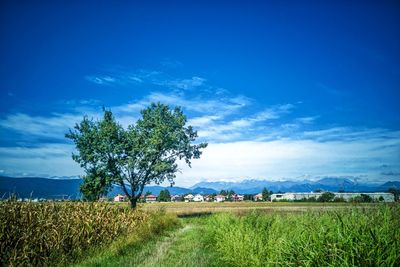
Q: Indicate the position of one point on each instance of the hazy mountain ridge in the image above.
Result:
(58, 188)
(37, 187)
(326, 184)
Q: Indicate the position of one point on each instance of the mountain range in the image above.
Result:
(333, 184)
(68, 187)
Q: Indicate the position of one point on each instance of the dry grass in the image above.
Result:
(182, 208)
(35, 234)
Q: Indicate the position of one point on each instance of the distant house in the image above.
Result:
(177, 198)
(258, 197)
(198, 198)
(189, 198)
(208, 198)
(119, 198)
(219, 198)
(236, 197)
(151, 198)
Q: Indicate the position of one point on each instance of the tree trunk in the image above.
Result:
(133, 202)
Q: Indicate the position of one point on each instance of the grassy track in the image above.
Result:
(183, 246)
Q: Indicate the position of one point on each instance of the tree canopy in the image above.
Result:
(146, 152)
(164, 196)
(326, 197)
(266, 194)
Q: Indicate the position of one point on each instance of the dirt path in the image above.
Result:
(163, 246)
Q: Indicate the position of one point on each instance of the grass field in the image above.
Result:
(330, 235)
(182, 208)
(206, 234)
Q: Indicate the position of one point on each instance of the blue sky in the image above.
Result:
(280, 90)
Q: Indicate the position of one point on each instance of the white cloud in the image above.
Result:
(248, 127)
(222, 106)
(307, 120)
(289, 159)
(185, 84)
(102, 79)
(245, 142)
(46, 160)
(128, 77)
(54, 126)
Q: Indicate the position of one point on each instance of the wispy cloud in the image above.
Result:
(307, 120)
(129, 77)
(222, 106)
(291, 158)
(53, 126)
(44, 160)
(186, 84)
(247, 140)
(215, 128)
(102, 79)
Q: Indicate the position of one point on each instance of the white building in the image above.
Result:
(198, 198)
(119, 198)
(237, 197)
(258, 197)
(219, 198)
(385, 197)
(189, 198)
(177, 198)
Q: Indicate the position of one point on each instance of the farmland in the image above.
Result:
(200, 234)
(182, 209)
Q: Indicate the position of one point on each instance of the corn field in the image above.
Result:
(37, 234)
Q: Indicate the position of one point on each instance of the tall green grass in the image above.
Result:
(48, 234)
(353, 237)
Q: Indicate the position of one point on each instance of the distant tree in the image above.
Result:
(381, 199)
(339, 199)
(248, 197)
(318, 190)
(395, 192)
(357, 199)
(146, 152)
(366, 198)
(312, 199)
(326, 197)
(223, 192)
(230, 194)
(265, 194)
(164, 196)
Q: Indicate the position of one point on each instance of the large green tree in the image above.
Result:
(164, 196)
(146, 152)
(265, 194)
